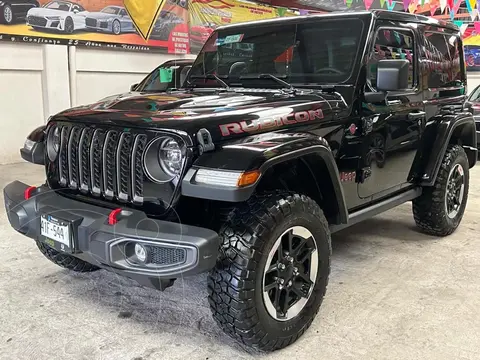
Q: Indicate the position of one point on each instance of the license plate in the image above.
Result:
(56, 230)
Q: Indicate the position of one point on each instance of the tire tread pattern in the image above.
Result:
(429, 209)
(231, 283)
(64, 260)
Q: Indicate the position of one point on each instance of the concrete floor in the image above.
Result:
(394, 294)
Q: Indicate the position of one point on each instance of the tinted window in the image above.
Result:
(475, 95)
(392, 44)
(58, 6)
(110, 10)
(323, 52)
(443, 60)
(152, 81)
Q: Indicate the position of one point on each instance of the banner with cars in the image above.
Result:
(158, 25)
(206, 15)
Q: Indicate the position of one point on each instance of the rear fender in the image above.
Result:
(262, 152)
(441, 131)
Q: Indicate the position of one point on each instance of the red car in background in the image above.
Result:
(200, 33)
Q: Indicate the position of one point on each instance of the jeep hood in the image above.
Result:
(223, 114)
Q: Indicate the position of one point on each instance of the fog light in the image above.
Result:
(140, 253)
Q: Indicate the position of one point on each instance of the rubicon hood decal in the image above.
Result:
(270, 122)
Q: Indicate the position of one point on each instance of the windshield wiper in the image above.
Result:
(289, 86)
(210, 77)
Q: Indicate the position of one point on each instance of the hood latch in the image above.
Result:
(205, 142)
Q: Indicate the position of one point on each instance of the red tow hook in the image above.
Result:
(28, 192)
(112, 217)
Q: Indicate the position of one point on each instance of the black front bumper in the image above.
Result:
(103, 245)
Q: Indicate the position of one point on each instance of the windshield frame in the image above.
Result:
(350, 79)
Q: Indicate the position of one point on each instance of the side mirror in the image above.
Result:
(392, 75)
(75, 11)
(374, 97)
(133, 87)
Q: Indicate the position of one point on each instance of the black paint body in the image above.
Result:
(391, 147)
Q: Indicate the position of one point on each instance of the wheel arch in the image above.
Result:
(444, 130)
(311, 157)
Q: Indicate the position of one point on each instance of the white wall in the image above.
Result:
(34, 84)
(473, 80)
(95, 74)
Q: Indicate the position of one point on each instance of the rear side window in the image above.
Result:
(392, 44)
(443, 60)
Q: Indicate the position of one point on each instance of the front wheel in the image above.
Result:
(7, 15)
(439, 210)
(69, 25)
(116, 27)
(273, 271)
(64, 260)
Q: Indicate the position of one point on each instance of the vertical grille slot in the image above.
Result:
(63, 160)
(124, 152)
(109, 163)
(137, 168)
(84, 160)
(102, 163)
(72, 155)
(96, 151)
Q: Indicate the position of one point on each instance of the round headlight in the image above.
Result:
(170, 157)
(53, 143)
(163, 160)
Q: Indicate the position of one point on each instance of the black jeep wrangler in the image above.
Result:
(287, 130)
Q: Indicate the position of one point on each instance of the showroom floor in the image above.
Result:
(394, 294)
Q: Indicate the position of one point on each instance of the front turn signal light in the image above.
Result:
(248, 178)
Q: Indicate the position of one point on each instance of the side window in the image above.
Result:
(123, 12)
(392, 44)
(443, 60)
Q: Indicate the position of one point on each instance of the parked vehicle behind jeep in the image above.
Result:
(287, 130)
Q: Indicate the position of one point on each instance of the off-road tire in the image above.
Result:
(235, 284)
(64, 260)
(429, 209)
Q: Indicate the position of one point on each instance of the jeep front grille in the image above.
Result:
(101, 162)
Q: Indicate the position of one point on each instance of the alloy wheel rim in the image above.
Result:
(69, 27)
(290, 273)
(116, 28)
(455, 191)
(7, 13)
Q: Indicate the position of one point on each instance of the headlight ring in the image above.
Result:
(164, 159)
(53, 143)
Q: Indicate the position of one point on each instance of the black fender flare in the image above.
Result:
(35, 155)
(444, 129)
(241, 157)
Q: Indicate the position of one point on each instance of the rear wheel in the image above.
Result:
(440, 208)
(64, 260)
(272, 274)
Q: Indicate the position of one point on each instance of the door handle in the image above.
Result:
(416, 115)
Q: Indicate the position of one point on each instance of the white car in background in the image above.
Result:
(62, 16)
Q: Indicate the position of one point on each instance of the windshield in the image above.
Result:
(110, 10)
(153, 82)
(308, 53)
(58, 6)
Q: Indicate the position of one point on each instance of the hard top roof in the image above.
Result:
(379, 14)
